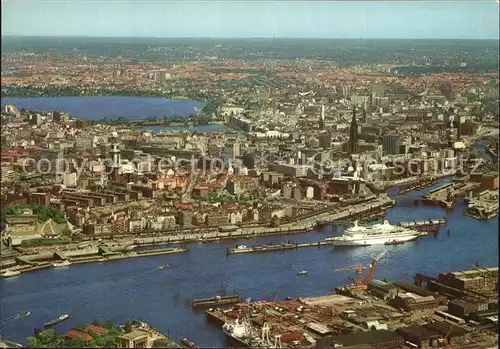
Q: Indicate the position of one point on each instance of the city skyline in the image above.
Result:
(232, 19)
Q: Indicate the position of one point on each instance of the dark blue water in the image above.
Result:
(480, 147)
(111, 107)
(135, 288)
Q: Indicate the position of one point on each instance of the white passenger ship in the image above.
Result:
(378, 234)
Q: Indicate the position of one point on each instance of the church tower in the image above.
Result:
(353, 134)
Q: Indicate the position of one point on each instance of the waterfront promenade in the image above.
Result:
(112, 250)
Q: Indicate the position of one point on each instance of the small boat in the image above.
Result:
(394, 242)
(24, 313)
(187, 343)
(164, 266)
(62, 264)
(303, 272)
(56, 321)
(10, 273)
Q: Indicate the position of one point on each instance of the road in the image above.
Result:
(186, 196)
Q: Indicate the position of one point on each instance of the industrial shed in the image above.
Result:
(447, 330)
(421, 336)
(382, 339)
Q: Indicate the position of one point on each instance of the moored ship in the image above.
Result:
(10, 273)
(238, 331)
(378, 234)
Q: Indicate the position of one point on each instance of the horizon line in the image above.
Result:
(232, 38)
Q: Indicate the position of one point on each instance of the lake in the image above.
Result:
(110, 107)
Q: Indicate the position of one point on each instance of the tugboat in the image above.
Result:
(303, 272)
(187, 343)
(56, 321)
(394, 242)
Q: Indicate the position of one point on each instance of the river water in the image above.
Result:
(136, 288)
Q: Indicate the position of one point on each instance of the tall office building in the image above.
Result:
(236, 150)
(353, 134)
(322, 118)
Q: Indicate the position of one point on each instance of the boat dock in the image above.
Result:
(424, 225)
(277, 247)
(217, 300)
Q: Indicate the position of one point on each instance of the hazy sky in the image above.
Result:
(251, 18)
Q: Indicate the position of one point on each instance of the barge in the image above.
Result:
(277, 247)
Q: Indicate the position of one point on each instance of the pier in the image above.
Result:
(216, 316)
(429, 225)
(278, 247)
(217, 300)
(38, 262)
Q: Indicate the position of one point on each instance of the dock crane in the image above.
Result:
(277, 294)
(358, 281)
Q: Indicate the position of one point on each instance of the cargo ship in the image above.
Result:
(238, 332)
(217, 300)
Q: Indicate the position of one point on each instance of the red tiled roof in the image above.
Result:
(79, 334)
(97, 329)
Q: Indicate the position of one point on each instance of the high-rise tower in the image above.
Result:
(353, 134)
(322, 118)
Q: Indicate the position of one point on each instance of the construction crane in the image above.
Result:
(360, 282)
(358, 278)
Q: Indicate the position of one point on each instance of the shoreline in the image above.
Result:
(101, 259)
(93, 256)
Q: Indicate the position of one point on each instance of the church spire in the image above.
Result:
(353, 134)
